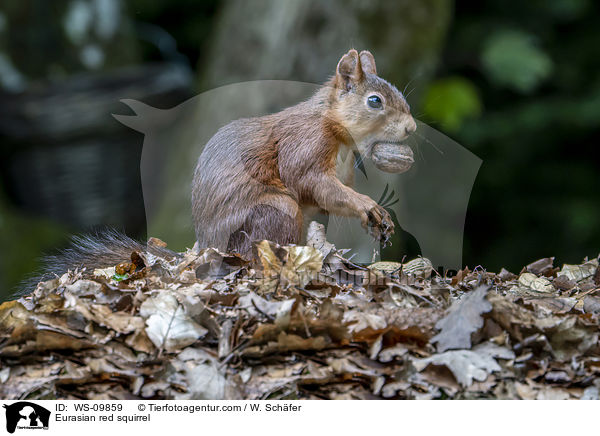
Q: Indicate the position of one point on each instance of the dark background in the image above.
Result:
(517, 83)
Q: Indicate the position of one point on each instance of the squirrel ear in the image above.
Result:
(348, 70)
(367, 62)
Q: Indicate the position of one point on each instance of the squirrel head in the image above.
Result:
(371, 110)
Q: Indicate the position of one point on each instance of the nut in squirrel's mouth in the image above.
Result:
(392, 157)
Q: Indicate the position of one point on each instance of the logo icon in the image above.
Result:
(427, 204)
(26, 415)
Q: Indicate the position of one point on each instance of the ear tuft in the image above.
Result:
(367, 62)
(348, 70)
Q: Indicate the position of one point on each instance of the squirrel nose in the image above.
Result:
(412, 126)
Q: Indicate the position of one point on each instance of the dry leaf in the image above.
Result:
(316, 238)
(466, 365)
(463, 319)
(167, 324)
(579, 272)
(541, 266)
(539, 284)
(302, 265)
(270, 263)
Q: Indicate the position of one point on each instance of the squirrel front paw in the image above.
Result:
(380, 225)
(378, 222)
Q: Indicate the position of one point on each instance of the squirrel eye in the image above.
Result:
(374, 101)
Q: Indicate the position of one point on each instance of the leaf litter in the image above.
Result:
(303, 322)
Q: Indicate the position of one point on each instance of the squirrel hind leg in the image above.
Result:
(265, 222)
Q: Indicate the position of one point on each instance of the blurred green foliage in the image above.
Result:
(510, 58)
(20, 236)
(533, 69)
(450, 101)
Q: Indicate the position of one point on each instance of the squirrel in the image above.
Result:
(281, 167)
(262, 178)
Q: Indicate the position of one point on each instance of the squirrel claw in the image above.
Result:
(386, 234)
(380, 226)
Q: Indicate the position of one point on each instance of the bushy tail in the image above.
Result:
(99, 250)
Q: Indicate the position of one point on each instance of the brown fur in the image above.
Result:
(256, 175)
